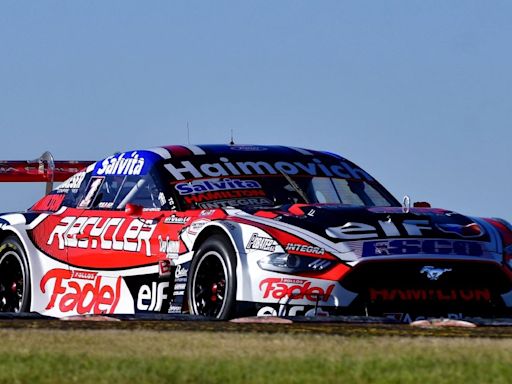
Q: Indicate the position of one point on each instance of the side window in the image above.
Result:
(92, 194)
(74, 188)
(115, 191)
(69, 194)
(102, 191)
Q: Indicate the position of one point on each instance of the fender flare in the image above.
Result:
(234, 234)
(7, 230)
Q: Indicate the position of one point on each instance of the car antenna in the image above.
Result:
(232, 142)
(188, 133)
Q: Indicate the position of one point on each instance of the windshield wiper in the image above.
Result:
(295, 186)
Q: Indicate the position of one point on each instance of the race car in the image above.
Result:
(225, 231)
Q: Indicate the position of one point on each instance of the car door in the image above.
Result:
(104, 236)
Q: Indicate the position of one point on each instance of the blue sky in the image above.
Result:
(418, 93)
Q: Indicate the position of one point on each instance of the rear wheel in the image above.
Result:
(212, 281)
(14, 277)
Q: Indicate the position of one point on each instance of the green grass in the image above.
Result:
(121, 356)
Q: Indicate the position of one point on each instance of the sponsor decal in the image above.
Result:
(207, 212)
(80, 291)
(407, 318)
(49, 203)
(164, 267)
(170, 247)
(223, 195)
(434, 273)
(119, 234)
(421, 294)
(122, 164)
(200, 186)
(467, 231)
(197, 225)
(84, 275)
(294, 289)
(92, 189)
(175, 309)
(417, 246)
(180, 272)
(294, 310)
(249, 148)
(261, 243)
(179, 289)
(173, 219)
(224, 167)
(151, 298)
(230, 225)
(8, 245)
(283, 310)
(14, 169)
(237, 203)
(353, 230)
(74, 182)
(161, 198)
(302, 248)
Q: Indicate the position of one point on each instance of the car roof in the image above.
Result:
(286, 158)
(247, 150)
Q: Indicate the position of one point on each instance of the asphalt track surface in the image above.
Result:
(345, 326)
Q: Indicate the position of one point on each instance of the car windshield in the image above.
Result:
(270, 191)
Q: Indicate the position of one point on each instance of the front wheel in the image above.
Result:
(212, 281)
(14, 277)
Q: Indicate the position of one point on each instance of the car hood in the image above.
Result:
(391, 229)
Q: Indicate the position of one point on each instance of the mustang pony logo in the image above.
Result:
(434, 273)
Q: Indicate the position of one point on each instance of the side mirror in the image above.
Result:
(421, 204)
(133, 210)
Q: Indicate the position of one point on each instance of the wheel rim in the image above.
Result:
(209, 285)
(12, 282)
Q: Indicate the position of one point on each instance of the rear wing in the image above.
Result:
(44, 169)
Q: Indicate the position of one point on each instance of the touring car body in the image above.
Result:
(226, 230)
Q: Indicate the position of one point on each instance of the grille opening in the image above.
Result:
(471, 287)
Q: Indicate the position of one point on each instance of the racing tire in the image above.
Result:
(211, 287)
(14, 277)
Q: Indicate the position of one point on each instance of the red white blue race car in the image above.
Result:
(226, 230)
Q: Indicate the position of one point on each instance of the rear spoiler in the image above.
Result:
(44, 169)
